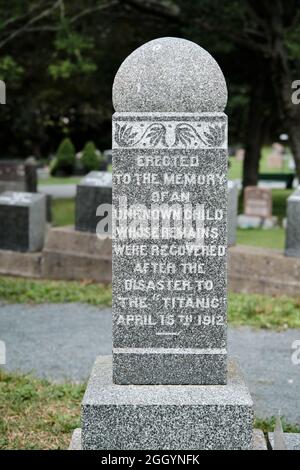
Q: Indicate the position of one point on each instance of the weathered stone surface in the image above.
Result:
(169, 75)
(169, 302)
(259, 441)
(68, 239)
(258, 202)
(292, 244)
(92, 191)
(262, 271)
(292, 440)
(23, 221)
(233, 192)
(165, 417)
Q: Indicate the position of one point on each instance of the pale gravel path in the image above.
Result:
(61, 341)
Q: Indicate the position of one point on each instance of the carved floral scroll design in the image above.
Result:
(181, 135)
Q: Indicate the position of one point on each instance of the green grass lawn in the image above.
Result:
(35, 414)
(20, 290)
(272, 238)
(259, 311)
(63, 212)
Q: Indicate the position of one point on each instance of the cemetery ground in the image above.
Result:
(41, 414)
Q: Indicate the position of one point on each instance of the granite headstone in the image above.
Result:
(23, 221)
(93, 190)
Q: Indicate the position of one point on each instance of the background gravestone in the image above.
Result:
(233, 193)
(15, 175)
(94, 189)
(292, 243)
(257, 209)
(31, 176)
(23, 221)
(169, 293)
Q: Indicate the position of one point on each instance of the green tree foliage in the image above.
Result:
(59, 59)
(71, 55)
(64, 161)
(90, 159)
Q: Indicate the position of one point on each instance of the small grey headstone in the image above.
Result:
(292, 242)
(23, 221)
(92, 191)
(258, 202)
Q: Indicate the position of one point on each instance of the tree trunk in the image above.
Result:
(282, 81)
(291, 113)
(294, 133)
(254, 136)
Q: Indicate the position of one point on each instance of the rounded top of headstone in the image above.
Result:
(169, 75)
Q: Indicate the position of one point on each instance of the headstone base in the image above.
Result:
(165, 417)
(258, 440)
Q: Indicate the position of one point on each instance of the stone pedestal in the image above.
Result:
(174, 417)
(23, 221)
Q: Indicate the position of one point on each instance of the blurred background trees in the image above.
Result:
(59, 58)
